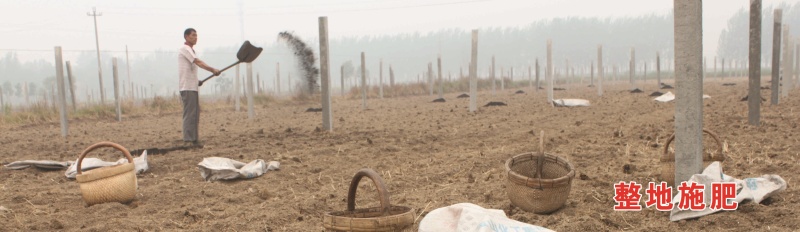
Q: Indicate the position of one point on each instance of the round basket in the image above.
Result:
(539, 183)
(668, 158)
(107, 184)
(384, 218)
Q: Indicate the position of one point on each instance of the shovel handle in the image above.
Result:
(212, 75)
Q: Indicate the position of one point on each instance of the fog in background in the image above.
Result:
(404, 34)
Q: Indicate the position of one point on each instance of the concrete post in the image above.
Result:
(492, 77)
(250, 108)
(391, 81)
(722, 69)
(776, 57)
(441, 83)
(237, 86)
(530, 78)
(786, 77)
(600, 70)
(342, 75)
(790, 64)
(278, 77)
(473, 69)
(632, 68)
(62, 98)
(71, 87)
(2, 102)
(117, 102)
(538, 84)
(363, 82)
(380, 80)
(658, 70)
(591, 74)
(549, 71)
(715, 67)
(325, 73)
(797, 64)
(25, 92)
(754, 79)
(689, 89)
(502, 80)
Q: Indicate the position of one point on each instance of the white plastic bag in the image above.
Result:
(43, 164)
(669, 96)
(467, 217)
(218, 168)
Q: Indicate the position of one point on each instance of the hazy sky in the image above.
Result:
(36, 26)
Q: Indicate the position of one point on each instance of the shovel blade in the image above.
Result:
(248, 53)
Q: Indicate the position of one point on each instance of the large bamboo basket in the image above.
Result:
(668, 158)
(384, 218)
(539, 183)
(107, 184)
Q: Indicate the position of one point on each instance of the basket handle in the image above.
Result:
(712, 134)
(383, 194)
(103, 144)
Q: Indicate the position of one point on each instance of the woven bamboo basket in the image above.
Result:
(107, 184)
(384, 218)
(539, 183)
(668, 158)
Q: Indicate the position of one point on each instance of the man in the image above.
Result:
(187, 73)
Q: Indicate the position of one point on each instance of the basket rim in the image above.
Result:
(539, 182)
(670, 156)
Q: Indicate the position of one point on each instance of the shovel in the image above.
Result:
(247, 53)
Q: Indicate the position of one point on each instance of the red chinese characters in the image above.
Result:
(720, 194)
(627, 196)
(660, 196)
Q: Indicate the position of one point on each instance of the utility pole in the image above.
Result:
(97, 43)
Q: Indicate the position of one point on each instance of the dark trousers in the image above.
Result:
(191, 115)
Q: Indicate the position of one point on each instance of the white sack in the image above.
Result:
(669, 96)
(139, 163)
(467, 217)
(218, 168)
(571, 102)
(755, 189)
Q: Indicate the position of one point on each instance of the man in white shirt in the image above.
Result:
(188, 84)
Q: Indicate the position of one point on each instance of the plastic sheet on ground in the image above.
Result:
(218, 168)
(139, 163)
(754, 189)
(669, 96)
(571, 102)
(43, 164)
(467, 217)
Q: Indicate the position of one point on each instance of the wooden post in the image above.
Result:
(116, 89)
(62, 97)
(776, 58)
(548, 72)
(689, 89)
(600, 70)
(363, 82)
(324, 64)
(71, 87)
(441, 83)
(473, 69)
(250, 108)
(754, 83)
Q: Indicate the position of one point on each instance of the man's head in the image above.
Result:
(190, 35)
